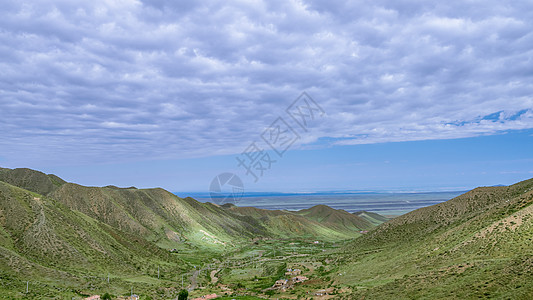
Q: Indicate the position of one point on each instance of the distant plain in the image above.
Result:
(391, 204)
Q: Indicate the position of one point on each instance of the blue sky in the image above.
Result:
(430, 165)
(413, 96)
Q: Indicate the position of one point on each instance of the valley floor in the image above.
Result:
(247, 271)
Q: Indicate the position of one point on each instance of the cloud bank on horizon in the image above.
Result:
(85, 81)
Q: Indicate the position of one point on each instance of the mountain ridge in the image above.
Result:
(31, 180)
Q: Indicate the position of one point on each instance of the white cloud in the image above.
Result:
(120, 80)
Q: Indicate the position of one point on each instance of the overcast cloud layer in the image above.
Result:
(88, 81)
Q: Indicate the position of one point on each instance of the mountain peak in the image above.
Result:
(325, 214)
(31, 180)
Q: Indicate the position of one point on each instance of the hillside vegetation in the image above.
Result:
(70, 238)
(42, 240)
(374, 218)
(477, 245)
(319, 221)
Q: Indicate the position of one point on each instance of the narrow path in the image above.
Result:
(41, 218)
(194, 281)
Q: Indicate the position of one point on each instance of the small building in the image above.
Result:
(299, 279)
(293, 272)
(280, 283)
(325, 292)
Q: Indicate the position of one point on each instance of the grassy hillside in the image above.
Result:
(156, 215)
(66, 239)
(321, 221)
(374, 218)
(31, 180)
(327, 215)
(42, 240)
(474, 246)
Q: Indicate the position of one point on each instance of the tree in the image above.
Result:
(183, 295)
(106, 296)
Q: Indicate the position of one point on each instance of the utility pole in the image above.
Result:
(107, 277)
(27, 286)
(157, 272)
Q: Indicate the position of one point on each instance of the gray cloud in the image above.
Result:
(123, 80)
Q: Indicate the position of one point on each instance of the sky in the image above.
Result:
(286, 95)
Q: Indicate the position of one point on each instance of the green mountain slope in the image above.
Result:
(254, 212)
(320, 221)
(476, 245)
(333, 217)
(374, 218)
(31, 180)
(155, 214)
(42, 240)
(161, 217)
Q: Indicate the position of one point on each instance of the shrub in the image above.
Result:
(106, 296)
(183, 295)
